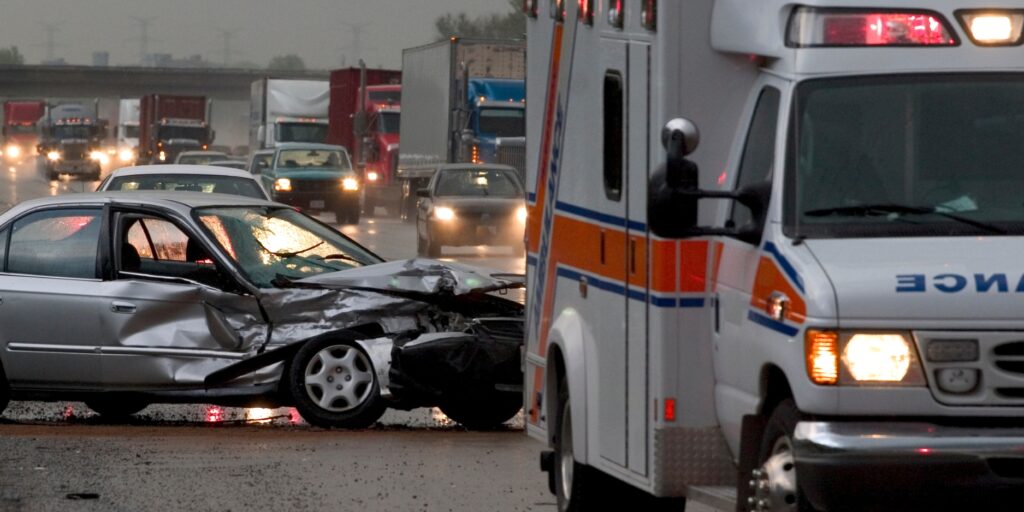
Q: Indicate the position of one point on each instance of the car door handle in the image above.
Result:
(122, 307)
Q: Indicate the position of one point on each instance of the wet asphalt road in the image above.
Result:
(60, 456)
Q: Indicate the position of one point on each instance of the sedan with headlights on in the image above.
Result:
(471, 204)
(184, 178)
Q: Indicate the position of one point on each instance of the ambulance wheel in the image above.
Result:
(333, 384)
(576, 485)
(776, 486)
(484, 413)
(116, 407)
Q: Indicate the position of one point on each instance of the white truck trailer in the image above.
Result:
(128, 131)
(285, 110)
(775, 246)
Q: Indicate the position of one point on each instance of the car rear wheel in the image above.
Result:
(485, 412)
(116, 407)
(5, 391)
(333, 384)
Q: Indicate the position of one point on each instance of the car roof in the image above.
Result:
(206, 170)
(181, 202)
(190, 153)
(476, 167)
(308, 145)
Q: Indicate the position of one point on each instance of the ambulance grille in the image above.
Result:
(997, 366)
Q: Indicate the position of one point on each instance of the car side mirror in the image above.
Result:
(672, 201)
(423, 192)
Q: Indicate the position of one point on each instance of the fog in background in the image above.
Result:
(257, 30)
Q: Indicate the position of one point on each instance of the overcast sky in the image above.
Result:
(314, 29)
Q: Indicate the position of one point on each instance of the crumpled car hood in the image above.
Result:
(419, 276)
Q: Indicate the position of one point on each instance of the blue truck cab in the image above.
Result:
(497, 109)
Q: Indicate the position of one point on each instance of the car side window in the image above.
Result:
(56, 243)
(157, 247)
(759, 150)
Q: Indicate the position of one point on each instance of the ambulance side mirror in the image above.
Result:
(673, 191)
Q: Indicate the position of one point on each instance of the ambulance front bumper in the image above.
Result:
(893, 465)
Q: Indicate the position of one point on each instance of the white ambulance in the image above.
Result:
(832, 316)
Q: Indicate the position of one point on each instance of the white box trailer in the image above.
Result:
(286, 110)
(128, 130)
(820, 304)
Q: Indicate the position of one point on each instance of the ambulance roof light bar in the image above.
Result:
(992, 27)
(811, 27)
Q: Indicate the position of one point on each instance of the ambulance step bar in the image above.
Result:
(718, 499)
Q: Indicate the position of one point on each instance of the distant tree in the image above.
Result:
(290, 62)
(511, 25)
(11, 56)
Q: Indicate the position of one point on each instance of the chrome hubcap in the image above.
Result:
(339, 378)
(773, 486)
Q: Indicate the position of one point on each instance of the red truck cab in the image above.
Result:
(20, 129)
(363, 117)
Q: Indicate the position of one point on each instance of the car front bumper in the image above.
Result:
(909, 466)
(318, 200)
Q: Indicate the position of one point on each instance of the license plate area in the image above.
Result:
(317, 204)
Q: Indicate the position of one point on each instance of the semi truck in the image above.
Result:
(773, 253)
(364, 118)
(128, 131)
(20, 130)
(285, 110)
(460, 99)
(169, 125)
(71, 140)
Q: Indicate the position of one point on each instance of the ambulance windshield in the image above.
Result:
(930, 155)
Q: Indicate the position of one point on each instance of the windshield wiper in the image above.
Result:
(880, 209)
(341, 257)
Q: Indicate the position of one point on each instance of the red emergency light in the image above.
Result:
(585, 13)
(812, 27)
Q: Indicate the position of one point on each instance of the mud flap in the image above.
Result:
(750, 447)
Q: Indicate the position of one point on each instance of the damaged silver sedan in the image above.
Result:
(124, 300)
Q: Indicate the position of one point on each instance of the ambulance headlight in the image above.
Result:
(993, 28)
(863, 359)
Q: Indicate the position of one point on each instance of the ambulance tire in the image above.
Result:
(5, 390)
(777, 439)
(116, 407)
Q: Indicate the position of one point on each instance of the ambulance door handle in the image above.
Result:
(718, 312)
(583, 286)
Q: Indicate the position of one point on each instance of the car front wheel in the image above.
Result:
(333, 384)
(5, 391)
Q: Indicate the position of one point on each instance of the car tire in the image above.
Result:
(5, 390)
(357, 404)
(432, 248)
(116, 406)
(354, 214)
(369, 206)
(775, 460)
(486, 412)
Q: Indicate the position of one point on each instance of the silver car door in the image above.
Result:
(168, 324)
(49, 326)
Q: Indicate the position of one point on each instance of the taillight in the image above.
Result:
(585, 13)
(649, 15)
(811, 27)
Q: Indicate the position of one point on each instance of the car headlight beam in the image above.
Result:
(444, 213)
(53, 156)
(283, 185)
(350, 184)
